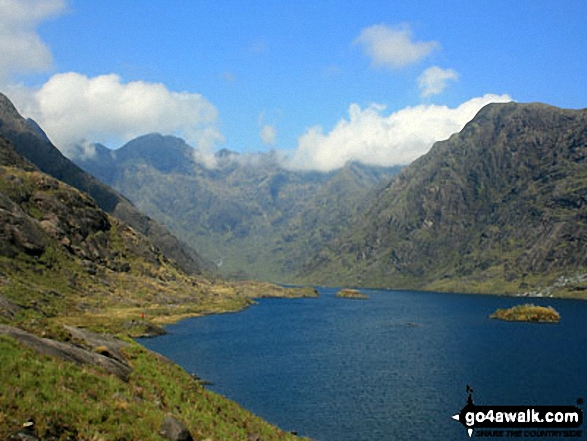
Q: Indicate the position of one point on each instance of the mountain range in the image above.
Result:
(498, 207)
(248, 213)
(29, 140)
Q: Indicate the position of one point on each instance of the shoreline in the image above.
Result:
(220, 298)
(147, 387)
(307, 292)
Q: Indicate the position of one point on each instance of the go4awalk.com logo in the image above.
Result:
(521, 421)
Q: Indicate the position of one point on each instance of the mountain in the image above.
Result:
(32, 143)
(53, 236)
(248, 213)
(69, 272)
(499, 207)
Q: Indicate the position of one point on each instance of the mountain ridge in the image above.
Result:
(498, 207)
(36, 147)
(248, 213)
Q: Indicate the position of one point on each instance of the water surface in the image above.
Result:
(392, 367)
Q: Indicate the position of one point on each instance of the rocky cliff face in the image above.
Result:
(502, 205)
(30, 142)
(45, 219)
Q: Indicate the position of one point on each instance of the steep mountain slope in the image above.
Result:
(61, 254)
(66, 266)
(332, 208)
(29, 140)
(249, 214)
(499, 207)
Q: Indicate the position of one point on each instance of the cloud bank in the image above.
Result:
(371, 137)
(392, 46)
(72, 107)
(21, 49)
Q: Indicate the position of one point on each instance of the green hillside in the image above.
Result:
(68, 268)
(500, 207)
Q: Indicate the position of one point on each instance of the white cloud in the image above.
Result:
(21, 49)
(434, 80)
(371, 137)
(392, 46)
(268, 134)
(83, 150)
(71, 107)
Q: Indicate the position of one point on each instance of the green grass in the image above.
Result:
(66, 399)
(61, 287)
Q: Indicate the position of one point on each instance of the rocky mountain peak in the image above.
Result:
(166, 153)
(44, 155)
(501, 204)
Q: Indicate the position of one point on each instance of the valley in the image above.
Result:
(498, 208)
(249, 214)
(263, 221)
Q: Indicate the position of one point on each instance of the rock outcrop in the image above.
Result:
(174, 430)
(72, 353)
(30, 142)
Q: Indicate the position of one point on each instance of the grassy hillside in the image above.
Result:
(66, 263)
(71, 401)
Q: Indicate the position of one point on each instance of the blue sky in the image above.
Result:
(376, 81)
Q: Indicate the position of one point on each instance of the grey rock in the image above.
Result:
(68, 352)
(23, 435)
(94, 340)
(174, 430)
(8, 309)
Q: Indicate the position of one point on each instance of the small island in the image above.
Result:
(351, 294)
(528, 313)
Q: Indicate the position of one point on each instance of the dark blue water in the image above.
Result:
(393, 367)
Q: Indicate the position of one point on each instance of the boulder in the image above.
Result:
(8, 309)
(23, 435)
(174, 430)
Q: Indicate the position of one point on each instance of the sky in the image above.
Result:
(323, 82)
